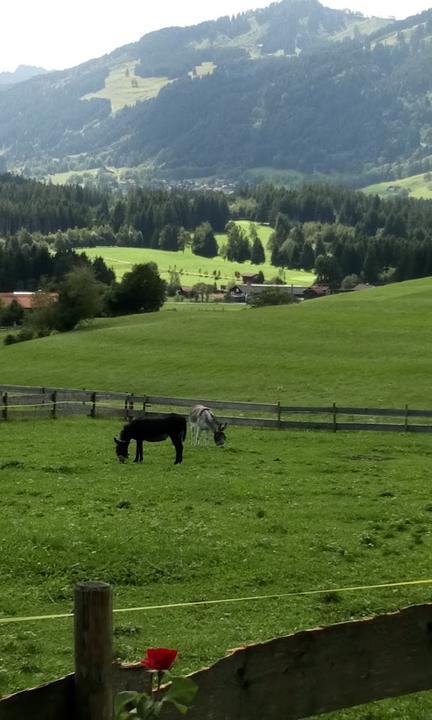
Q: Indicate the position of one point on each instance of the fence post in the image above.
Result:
(5, 406)
(406, 418)
(93, 407)
(279, 414)
(334, 417)
(93, 651)
(54, 404)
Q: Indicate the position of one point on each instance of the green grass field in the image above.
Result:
(196, 269)
(416, 186)
(365, 348)
(123, 87)
(271, 512)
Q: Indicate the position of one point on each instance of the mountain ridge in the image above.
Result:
(292, 86)
(21, 74)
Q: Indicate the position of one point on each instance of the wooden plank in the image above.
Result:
(320, 670)
(384, 412)
(27, 400)
(53, 701)
(22, 389)
(292, 410)
(74, 395)
(385, 427)
(113, 412)
(214, 404)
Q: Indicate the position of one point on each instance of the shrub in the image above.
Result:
(271, 296)
(10, 339)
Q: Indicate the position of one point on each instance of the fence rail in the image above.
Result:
(21, 402)
(292, 677)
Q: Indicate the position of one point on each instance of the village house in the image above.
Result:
(26, 300)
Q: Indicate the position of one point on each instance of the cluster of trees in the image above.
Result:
(28, 264)
(82, 296)
(241, 247)
(339, 232)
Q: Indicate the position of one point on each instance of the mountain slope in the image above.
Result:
(293, 86)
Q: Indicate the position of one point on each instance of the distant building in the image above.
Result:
(256, 288)
(25, 299)
(316, 291)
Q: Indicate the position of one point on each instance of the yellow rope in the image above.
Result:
(221, 601)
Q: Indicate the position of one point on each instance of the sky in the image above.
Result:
(56, 34)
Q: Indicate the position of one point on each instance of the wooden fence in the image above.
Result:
(296, 676)
(20, 402)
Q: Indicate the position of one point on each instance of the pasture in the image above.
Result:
(359, 349)
(123, 88)
(416, 186)
(271, 512)
(193, 268)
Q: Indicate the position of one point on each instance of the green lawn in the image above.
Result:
(194, 268)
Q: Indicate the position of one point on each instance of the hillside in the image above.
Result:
(365, 349)
(416, 186)
(153, 101)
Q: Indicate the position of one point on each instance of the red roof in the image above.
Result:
(25, 299)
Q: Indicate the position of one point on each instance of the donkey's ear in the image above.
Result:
(222, 426)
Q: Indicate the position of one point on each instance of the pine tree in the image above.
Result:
(257, 255)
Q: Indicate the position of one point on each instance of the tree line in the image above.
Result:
(343, 235)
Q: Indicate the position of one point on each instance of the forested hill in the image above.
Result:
(295, 86)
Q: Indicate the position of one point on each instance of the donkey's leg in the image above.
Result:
(139, 451)
(177, 442)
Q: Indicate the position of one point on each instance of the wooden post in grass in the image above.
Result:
(5, 406)
(93, 407)
(93, 651)
(406, 418)
(334, 417)
(54, 404)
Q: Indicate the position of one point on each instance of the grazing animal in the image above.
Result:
(152, 429)
(201, 419)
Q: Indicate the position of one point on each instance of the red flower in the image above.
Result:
(159, 659)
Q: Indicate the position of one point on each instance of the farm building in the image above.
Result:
(316, 291)
(257, 288)
(26, 300)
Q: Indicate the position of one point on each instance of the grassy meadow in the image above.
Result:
(269, 513)
(366, 348)
(122, 87)
(194, 268)
(416, 186)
